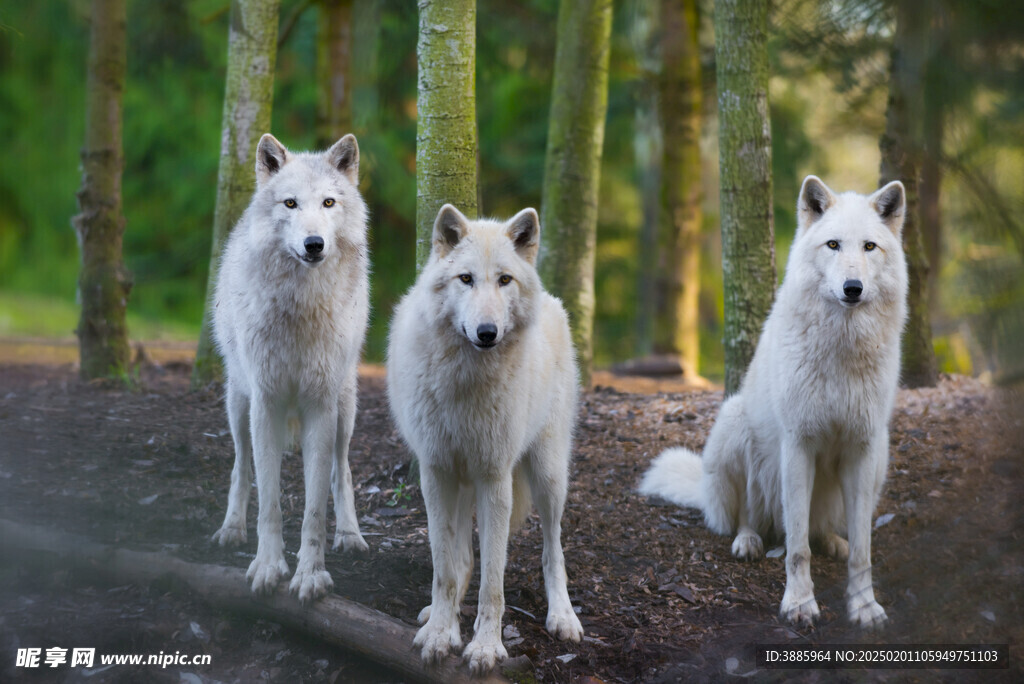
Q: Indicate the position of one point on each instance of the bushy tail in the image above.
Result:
(676, 475)
(522, 498)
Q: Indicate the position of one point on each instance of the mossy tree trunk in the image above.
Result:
(248, 99)
(103, 282)
(745, 165)
(901, 148)
(572, 168)
(446, 130)
(676, 321)
(333, 71)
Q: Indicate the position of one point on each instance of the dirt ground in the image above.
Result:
(660, 598)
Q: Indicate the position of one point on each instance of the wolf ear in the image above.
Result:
(450, 227)
(344, 156)
(891, 203)
(815, 199)
(523, 230)
(270, 157)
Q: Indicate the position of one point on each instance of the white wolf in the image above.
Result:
(291, 309)
(802, 448)
(482, 384)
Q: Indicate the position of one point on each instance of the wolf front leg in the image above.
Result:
(440, 635)
(798, 604)
(320, 425)
(346, 534)
(268, 436)
(233, 531)
(493, 507)
(862, 476)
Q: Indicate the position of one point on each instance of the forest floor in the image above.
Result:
(660, 597)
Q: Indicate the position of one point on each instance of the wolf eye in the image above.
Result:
(868, 246)
(505, 280)
(290, 203)
(832, 244)
(329, 202)
(466, 278)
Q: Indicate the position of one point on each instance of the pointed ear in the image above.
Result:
(450, 227)
(344, 156)
(523, 230)
(891, 204)
(815, 199)
(270, 157)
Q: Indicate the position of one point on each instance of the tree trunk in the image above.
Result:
(572, 168)
(333, 71)
(745, 165)
(901, 150)
(446, 131)
(104, 282)
(248, 99)
(676, 322)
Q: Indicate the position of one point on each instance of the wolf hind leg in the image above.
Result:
(346, 534)
(232, 532)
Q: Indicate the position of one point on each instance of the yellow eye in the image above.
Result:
(505, 280)
(329, 202)
(868, 246)
(832, 244)
(466, 278)
(290, 203)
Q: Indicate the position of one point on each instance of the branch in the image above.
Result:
(291, 21)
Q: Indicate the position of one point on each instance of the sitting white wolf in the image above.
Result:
(292, 302)
(482, 384)
(802, 448)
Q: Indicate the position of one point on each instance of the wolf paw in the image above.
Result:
(868, 615)
(564, 625)
(230, 535)
(310, 584)
(747, 546)
(265, 574)
(799, 611)
(437, 641)
(350, 542)
(835, 546)
(483, 653)
(424, 615)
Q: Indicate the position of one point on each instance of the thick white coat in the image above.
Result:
(291, 329)
(482, 385)
(802, 448)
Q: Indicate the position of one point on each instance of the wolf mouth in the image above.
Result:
(310, 258)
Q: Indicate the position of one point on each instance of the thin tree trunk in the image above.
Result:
(572, 168)
(333, 71)
(745, 166)
(676, 323)
(248, 99)
(900, 148)
(104, 282)
(446, 131)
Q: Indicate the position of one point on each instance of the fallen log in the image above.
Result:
(346, 624)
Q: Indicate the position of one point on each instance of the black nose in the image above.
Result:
(314, 244)
(487, 332)
(853, 288)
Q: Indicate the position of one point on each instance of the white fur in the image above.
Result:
(803, 447)
(489, 425)
(291, 332)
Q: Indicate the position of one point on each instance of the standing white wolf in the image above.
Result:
(292, 302)
(482, 384)
(802, 448)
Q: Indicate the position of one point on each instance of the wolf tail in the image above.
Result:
(522, 499)
(677, 476)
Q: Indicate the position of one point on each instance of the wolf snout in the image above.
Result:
(486, 333)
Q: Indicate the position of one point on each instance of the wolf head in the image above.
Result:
(482, 275)
(308, 202)
(849, 247)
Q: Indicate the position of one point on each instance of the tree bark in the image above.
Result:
(745, 164)
(333, 71)
(248, 100)
(339, 622)
(103, 282)
(901, 151)
(446, 130)
(572, 168)
(677, 320)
